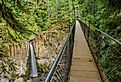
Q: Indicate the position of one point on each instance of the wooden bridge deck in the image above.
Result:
(83, 67)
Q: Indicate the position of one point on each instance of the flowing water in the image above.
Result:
(33, 61)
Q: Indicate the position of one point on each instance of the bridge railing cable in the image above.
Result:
(60, 68)
(107, 51)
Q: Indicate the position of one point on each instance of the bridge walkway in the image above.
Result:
(83, 67)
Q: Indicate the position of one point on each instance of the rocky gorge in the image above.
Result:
(15, 67)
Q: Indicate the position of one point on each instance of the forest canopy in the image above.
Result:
(23, 19)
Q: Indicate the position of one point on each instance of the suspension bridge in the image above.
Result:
(83, 67)
(76, 61)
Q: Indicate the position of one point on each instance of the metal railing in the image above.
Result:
(107, 51)
(60, 68)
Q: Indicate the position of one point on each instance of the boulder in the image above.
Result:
(19, 80)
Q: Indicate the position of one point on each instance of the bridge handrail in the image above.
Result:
(108, 36)
(103, 33)
(105, 50)
(58, 58)
(48, 78)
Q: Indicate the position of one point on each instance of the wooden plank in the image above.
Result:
(83, 67)
(82, 60)
(86, 74)
(80, 79)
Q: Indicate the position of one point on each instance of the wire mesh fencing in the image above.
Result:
(60, 68)
(107, 51)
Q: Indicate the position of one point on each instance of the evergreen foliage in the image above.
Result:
(105, 15)
(23, 19)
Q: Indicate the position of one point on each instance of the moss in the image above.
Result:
(27, 71)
